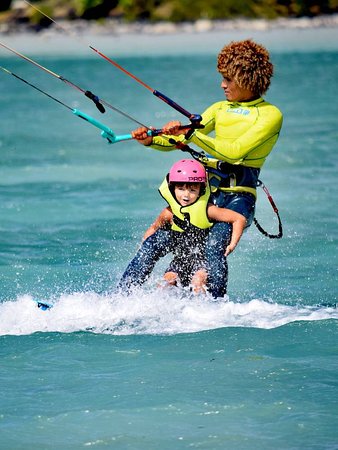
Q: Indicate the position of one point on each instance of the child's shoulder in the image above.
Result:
(166, 213)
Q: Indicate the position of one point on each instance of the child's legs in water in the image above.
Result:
(171, 278)
(199, 281)
(141, 266)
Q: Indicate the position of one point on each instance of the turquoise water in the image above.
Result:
(158, 369)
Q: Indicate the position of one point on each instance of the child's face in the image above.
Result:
(187, 193)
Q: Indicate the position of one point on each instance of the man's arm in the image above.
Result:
(227, 215)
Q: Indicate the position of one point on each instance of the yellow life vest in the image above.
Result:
(193, 215)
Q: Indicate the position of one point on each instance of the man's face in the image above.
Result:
(234, 93)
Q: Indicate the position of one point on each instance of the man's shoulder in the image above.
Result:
(271, 111)
(270, 106)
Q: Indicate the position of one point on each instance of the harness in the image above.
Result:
(224, 175)
(235, 178)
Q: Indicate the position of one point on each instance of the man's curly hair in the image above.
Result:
(248, 64)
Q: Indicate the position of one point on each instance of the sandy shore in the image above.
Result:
(202, 37)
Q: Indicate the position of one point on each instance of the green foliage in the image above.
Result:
(178, 10)
(140, 9)
(182, 10)
(36, 18)
(186, 10)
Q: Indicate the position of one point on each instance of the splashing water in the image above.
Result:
(148, 313)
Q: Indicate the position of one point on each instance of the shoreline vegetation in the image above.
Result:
(21, 18)
(144, 37)
(203, 26)
(198, 26)
(69, 38)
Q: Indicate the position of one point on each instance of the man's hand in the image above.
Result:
(174, 128)
(141, 135)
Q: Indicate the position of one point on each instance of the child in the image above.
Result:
(189, 217)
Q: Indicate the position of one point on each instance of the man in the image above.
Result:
(246, 128)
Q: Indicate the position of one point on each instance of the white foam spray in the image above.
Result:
(155, 312)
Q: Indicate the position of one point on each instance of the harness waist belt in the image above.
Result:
(230, 176)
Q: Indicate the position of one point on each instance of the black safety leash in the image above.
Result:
(203, 159)
(199, 156)
(274, 207)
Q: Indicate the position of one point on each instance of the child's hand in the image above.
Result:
(230, 248)
(141, 135)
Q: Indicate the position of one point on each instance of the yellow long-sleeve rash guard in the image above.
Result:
(245, 133)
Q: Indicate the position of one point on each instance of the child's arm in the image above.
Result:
(163, 219)
(227, 215)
